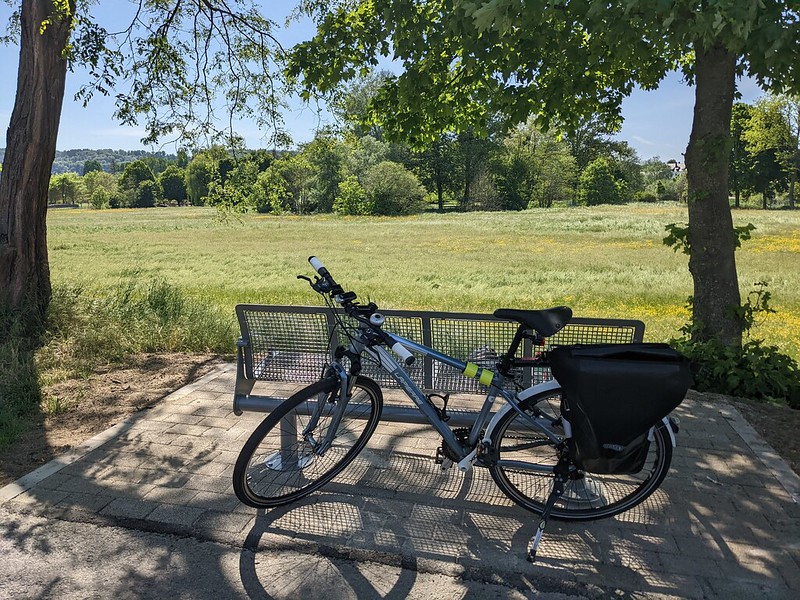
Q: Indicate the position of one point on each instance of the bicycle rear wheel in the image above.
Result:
(281, 461)
(586, 496)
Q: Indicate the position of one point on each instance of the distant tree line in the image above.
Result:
(111, 161)
(352, 170)
(765, 150)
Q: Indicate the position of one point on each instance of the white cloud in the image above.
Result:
(642, 140)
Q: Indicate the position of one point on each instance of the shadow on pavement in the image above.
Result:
(720, 526)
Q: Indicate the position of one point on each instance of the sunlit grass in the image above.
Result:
(602, 261)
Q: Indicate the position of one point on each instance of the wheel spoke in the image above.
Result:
(525, 462)
(282, 462)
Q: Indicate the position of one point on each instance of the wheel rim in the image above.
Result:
(585, 496)
(287, 464)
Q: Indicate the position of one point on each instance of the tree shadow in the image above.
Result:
(145, 488)
(30, 444)
(719, 516)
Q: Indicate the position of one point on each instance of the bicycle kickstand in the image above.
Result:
(558, 489)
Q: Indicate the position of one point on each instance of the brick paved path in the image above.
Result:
(725, 524)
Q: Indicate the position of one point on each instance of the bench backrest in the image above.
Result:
(291, 343)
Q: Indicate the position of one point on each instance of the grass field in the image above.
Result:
(602, 261)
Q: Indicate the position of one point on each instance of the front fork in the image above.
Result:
(342, 393)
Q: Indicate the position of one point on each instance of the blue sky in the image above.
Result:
(657, 123)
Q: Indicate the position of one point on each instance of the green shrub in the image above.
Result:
(644, 196)
(172, 182)
(147, 195)
(100, 199)
(351, 199)
(393, 190)
(756, 371)
(598, 185)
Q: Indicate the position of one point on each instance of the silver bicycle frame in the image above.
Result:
(388, 363)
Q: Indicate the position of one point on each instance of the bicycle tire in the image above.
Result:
(587, 497)
(277, 464)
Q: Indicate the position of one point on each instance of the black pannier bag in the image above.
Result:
(613, 395)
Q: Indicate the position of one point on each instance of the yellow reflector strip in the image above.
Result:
(486, 377)
(471, 370)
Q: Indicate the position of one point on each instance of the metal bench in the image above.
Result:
(292, 344)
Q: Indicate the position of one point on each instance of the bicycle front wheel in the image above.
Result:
(285, 459)
(586, 496)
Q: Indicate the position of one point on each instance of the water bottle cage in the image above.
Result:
(442, 412)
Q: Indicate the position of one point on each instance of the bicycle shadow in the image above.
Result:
(304, 575)
(719, 526)
(399, 509)
(685, 540)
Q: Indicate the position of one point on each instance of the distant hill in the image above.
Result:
(112, 160)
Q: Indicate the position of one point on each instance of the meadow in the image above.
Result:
(605, 261)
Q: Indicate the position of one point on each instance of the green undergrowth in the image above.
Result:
(86, 330)
(755, 370)
(20, 393)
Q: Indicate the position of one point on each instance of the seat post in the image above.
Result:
(508, 357)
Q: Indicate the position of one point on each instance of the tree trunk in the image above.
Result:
(711, 235)
(795, 155)
(30, 150)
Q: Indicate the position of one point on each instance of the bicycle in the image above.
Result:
(526, 445)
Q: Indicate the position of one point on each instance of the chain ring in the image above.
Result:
(462, 435)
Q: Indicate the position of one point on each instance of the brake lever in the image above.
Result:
(318, 285)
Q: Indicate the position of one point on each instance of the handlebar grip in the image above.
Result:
(403, 353)
(318, 266)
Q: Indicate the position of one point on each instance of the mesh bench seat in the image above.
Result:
(291, 344)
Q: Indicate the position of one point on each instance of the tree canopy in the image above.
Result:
(464, 62)
(562, 60)
(182, 67)
(175, 66)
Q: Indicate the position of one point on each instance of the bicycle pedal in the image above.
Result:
(446, 464)
(440, 457)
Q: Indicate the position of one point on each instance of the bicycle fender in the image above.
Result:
(545, 386)
(671, 431)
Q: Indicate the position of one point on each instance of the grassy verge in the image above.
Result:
(167, 280)
(87, 330)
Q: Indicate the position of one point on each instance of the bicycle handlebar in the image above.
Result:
(346, 300)
(318, 266)
(403, 353)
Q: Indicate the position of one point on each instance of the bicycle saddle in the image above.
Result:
(546, 322)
